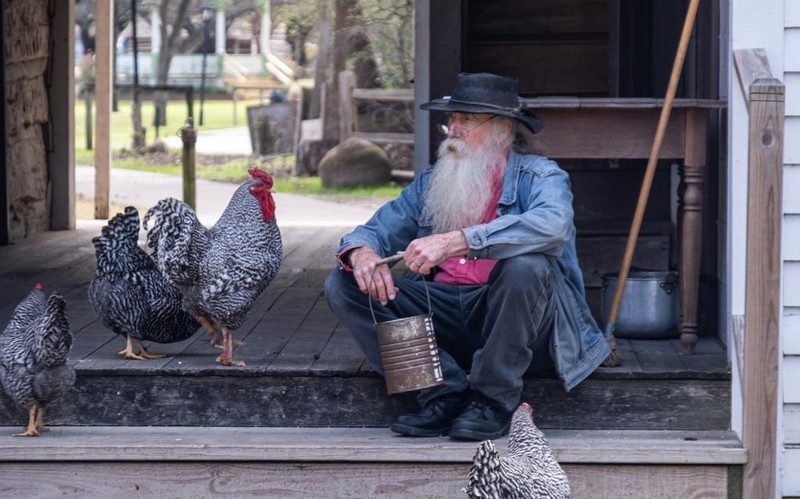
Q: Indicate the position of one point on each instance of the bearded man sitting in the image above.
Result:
(491, 229)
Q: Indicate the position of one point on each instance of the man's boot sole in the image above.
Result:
(412, 431)
(478, 436)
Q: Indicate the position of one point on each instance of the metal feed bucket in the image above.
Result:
(408, 351)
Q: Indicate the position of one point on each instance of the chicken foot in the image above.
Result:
(31, 431)
(143, 354)
(226, 357)
(213, 330)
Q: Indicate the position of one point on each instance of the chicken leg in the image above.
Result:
(40, 421)
(31, 431)
(213, 330)
(226, 357)
(143, 354)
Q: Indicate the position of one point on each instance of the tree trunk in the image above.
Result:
(323, 60)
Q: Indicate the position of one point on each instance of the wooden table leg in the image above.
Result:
(692, 180)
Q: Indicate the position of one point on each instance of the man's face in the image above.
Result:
(473, 129)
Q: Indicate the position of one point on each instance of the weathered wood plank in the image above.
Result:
(763, 287)
(254, 397)
(180, 443)
(302, 480)
(308, 341)
(341, 355)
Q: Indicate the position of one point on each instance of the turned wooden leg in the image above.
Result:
(691, 227)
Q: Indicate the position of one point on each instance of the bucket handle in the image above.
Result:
(390, 259)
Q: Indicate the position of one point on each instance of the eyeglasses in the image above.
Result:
(466, 125)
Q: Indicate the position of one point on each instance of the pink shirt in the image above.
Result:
(463, 270)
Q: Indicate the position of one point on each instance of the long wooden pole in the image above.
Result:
(647, 183)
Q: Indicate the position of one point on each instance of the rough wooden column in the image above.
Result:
(692, 181)
(102, 152)
(762, 291)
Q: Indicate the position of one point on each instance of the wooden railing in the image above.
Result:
(764, 96)
(350, 96)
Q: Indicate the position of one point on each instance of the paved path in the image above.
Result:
(143, 190)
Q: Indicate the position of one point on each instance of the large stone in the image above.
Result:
(355, 161)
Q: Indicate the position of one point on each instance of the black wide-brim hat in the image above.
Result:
(486, 93)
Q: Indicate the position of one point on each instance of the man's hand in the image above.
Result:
(425, 253)
(378, 282)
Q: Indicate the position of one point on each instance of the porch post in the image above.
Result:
(104, 45)
(762, 290)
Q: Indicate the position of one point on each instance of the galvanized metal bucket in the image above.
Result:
(649, 307)
(408, 351)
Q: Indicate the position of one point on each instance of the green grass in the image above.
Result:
(216, 114)
(280, 168)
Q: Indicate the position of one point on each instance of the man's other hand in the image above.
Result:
(378, 282)
(427, 252)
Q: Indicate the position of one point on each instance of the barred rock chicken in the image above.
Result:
(221, 270)
(529, 471)
(129, 293)
(33, 356)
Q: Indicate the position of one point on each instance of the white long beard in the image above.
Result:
(461, 186)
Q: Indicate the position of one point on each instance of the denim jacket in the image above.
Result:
(534, 216)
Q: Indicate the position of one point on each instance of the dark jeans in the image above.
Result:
(488, 336)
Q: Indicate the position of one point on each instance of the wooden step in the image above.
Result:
(348, 462)
(235, 398)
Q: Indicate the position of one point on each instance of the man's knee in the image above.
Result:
(338, 286)
(524, 271)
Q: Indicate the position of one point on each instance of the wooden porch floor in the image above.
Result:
(290, 332)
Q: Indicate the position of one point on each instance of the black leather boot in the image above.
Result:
(481, 420)
(434, 419)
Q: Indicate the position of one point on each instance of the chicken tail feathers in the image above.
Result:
(28, 310)
(484, 476)
(120, 235)
(55, 337)
(170, 238)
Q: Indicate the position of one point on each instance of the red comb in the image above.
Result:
(38, 286)
(261, 175)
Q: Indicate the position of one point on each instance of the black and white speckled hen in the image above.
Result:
(129, 293)
(33, 356)
(530, 470)
(222, 270)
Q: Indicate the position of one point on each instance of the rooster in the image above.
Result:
(529, 471)
(221, 270)
(129, 293)
(33, 356)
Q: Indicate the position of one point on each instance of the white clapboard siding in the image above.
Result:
(792, 82)
(791, 234)
(791, 146)
(791, 379)
(791, 182)
(791, 284)
(792, 38)
(791, 331)
(791, 477)
(791, 422)
(791, 14)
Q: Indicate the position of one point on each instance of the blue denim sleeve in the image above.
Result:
(393, 225)
(540, 221)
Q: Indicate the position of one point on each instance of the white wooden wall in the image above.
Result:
(791, 253)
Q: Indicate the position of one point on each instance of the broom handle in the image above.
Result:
(647, 183)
